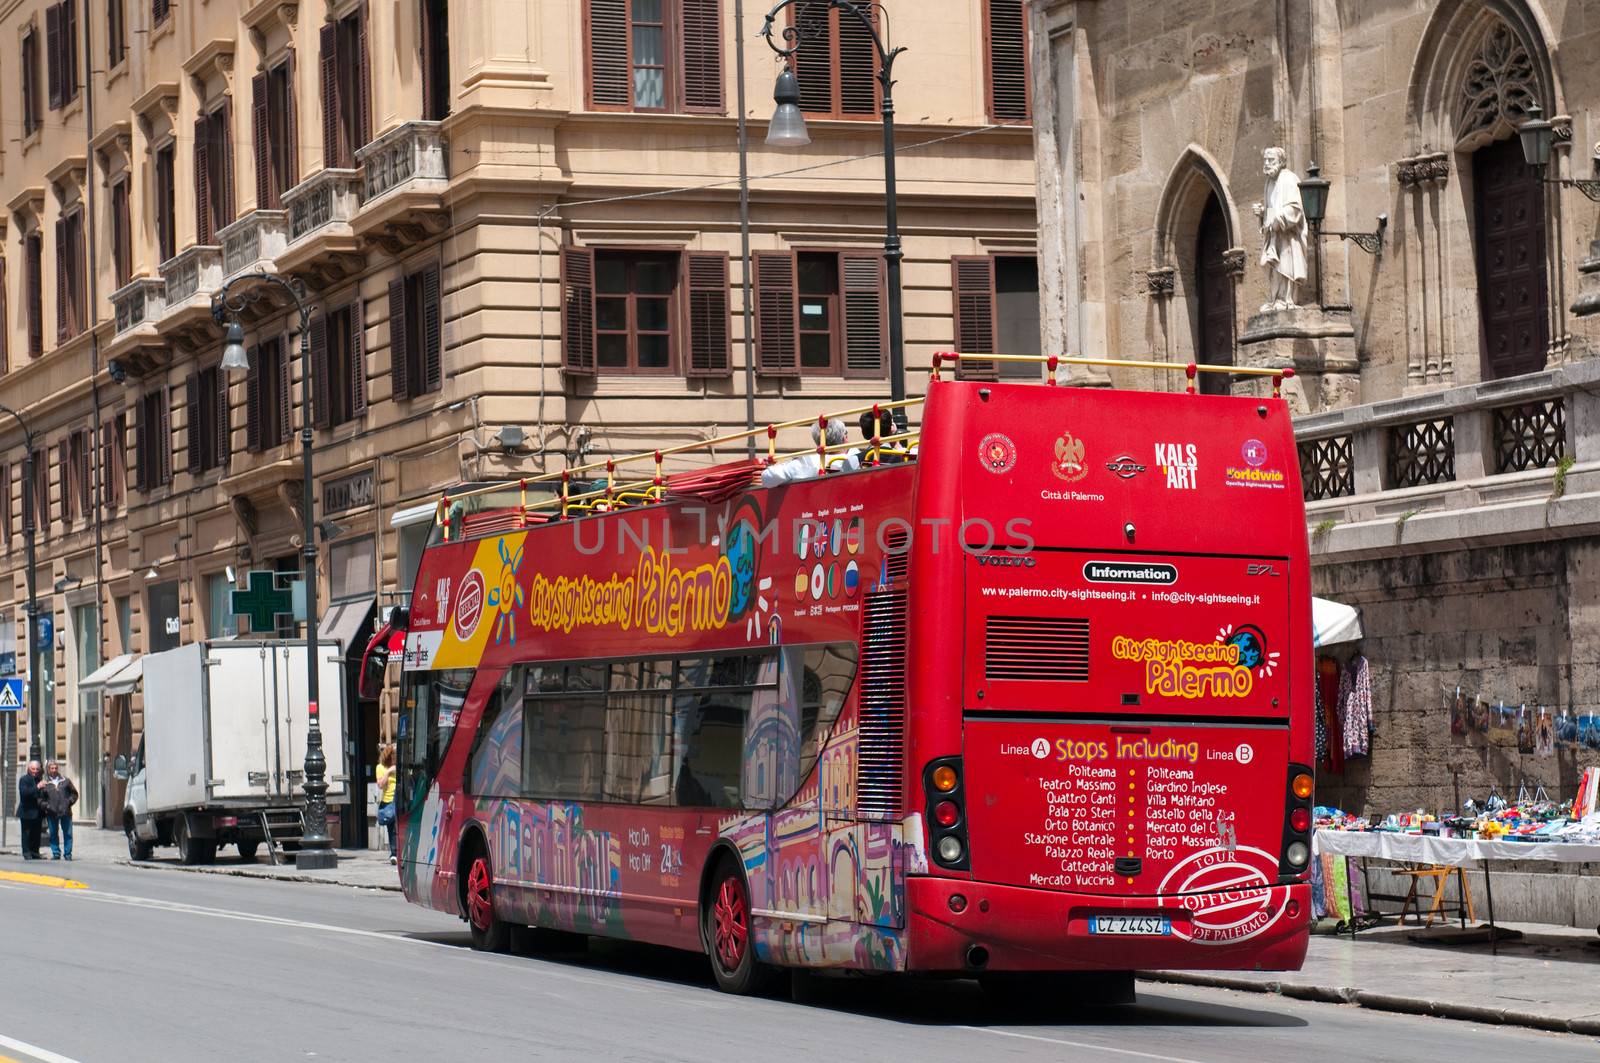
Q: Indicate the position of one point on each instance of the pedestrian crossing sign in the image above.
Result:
(10, 695)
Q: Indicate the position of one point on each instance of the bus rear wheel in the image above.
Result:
(489, 932)
(726, 927)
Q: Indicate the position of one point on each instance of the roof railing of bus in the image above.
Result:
(1052, 361)
(625, 494)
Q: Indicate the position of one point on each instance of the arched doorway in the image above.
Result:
(1512, 290)
(1214, 286)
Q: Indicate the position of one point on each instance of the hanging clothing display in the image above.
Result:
(1331, 755)
(1321, 729)
(1355, 706)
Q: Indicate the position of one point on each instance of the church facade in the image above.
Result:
(1444, 340)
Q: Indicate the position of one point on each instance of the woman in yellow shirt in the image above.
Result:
(386, 779)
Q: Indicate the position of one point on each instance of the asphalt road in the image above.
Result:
(160, 965)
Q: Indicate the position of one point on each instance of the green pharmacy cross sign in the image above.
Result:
(263, 602)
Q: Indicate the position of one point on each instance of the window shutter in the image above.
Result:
(5, 322)
(52, 52)
(80, 283)
(708, 314)
(291, 129)
(254, 438)
(61, 279)
(425, 58)
(776, 322)
(610, 78)
(35, 246)
(64, 482)
(285, 393)
(69, 50)
(1006, 49)
(328, 58)
(321, 416)
(813, 64)
(193, 433)
(109, 490)
(702, 55)
(158, 10)
(260, 132)
(577, 310)
(973, 283)
(399, 379)
(202, 197)
(363, 83)
(224, 118)
(858, 66)
(224, 420)
(866, 326)
(432, 336)
(164, 434)
(358, 359)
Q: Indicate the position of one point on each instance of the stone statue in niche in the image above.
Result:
(1283, 232)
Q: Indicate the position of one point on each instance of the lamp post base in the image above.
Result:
(316, 860)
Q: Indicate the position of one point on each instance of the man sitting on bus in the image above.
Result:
(887, 454)
(807, 466)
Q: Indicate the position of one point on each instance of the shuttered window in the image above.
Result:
(415, 337)
(153, 440)
(5, 506)
(213, 172)
(32, 115)
(649, 313)
(80, 488)
(266, 395)
(166, 202)
(339, 379)
(121, 233)
(159, 10)
(116, 32)
(114, 461)
(5, 321)
(1005, 52)
(71, 283)
(207, 432)
(61, 52)
(272, 122)
(346, 89)
(434, 44)
(655, 55)
(708, 314)
(837, 63)
(36, 507)
(821, 313)
(996, 311)
(33, 254)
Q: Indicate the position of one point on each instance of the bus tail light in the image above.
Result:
(1296, 849)
(947, 828)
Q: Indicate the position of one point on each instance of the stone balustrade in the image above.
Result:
(1501, 457)
(411, 153)
(328, 197)
(254, 241)
(141, 301)
(193, 271)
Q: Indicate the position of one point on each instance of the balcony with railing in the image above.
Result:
(322, 248)
(404, 176)
(137, 306)
(190, 277)
(254, 242)
(1499, 461)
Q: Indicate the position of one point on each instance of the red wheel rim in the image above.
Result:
(731, 921)
(480, 909)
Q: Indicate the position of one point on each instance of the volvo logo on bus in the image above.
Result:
(1011, 560)
(1129, 572)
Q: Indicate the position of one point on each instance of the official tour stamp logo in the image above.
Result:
(469, 605)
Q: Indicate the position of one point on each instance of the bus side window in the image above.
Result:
(830, 670)
(563, 732)
(496, 757)
(710, 747)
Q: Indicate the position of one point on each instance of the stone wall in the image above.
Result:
(1516, 622)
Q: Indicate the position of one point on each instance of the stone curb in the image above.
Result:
(262, 876)
(1442, 1009)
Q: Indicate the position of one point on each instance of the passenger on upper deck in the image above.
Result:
(806, 466)
(889, 454)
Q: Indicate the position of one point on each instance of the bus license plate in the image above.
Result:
(1130, 924)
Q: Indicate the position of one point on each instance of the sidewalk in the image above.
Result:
(361, 868)
(1546, 980)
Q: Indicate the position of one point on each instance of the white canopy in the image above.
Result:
(1333, 623)
(102, 675)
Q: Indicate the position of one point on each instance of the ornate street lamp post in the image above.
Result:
(1538, 136)
(788, 129)
(29, 527)
(316, 848)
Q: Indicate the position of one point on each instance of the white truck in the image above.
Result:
(223, 754)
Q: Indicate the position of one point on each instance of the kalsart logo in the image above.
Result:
(469, 606)
(1228, 890)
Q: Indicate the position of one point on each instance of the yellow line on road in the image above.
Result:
(41, 880)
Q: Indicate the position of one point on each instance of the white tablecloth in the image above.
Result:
(1448, 852)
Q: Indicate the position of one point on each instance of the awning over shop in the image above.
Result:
(414, 514)
(342, 624)
(105, 673)
(1333, 623)
(127, 680)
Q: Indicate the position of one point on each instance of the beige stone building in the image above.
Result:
(518, 227)
(1448, 373)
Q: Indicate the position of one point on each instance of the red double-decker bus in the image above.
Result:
(1028, 692)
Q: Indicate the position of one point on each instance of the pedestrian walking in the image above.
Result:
(386, 779)
(58, 794)
(30, 810)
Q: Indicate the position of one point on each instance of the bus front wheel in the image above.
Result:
(726, 927)
(489, 932)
